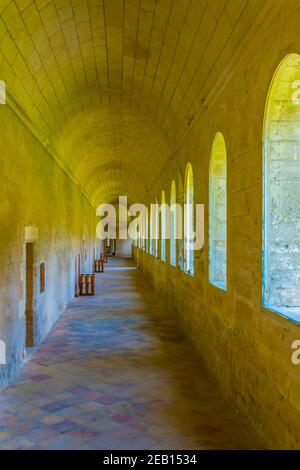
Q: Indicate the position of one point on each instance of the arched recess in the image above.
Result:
(180, 199)
(163, 227)
(281, 180)
(189, 221)
(218, 213)
(112, 144)
(173, 251)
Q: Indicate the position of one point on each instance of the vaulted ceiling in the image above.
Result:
(109, 86)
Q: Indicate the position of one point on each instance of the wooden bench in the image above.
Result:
(86, 284)
(99, 265)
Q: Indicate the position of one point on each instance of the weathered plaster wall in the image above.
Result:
(36, 193)
(246, 347)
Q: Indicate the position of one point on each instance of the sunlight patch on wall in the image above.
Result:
(218, 213)
(281, 139)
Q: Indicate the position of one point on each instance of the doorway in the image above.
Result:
(29, 308)
(77, 274)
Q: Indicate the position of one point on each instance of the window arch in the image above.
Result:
(147, 250)
(173, 240)
(138, 229)
(180, 198)
(189, 221)
(156, 228)
(163, 227)
(143, 232)
(151, 231)
(218, 213)
(281, 181)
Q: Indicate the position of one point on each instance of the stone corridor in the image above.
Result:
(116, 373)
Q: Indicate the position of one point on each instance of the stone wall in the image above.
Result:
(246, 347)
(39, 204)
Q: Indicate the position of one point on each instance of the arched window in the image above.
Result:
(180, 199)
(218, 213)
(147, 242)
(151, 231)
(156, 228)
(281, 228)
(139, 237)
(143, 234)
(173, 225)
(146, 233)
(163, 227)
(189, 221)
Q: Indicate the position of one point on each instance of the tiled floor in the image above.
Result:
(115, 373)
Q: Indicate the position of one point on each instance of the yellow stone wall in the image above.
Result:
(246, 347)
(38, 202)
(125, 94)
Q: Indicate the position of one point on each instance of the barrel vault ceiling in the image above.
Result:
(110, 86)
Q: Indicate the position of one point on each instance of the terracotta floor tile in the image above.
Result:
(115, 373)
